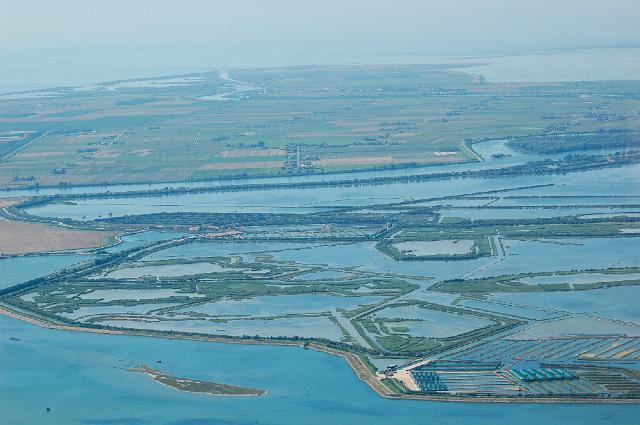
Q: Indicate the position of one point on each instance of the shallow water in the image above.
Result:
(211, 249)
(135, 294)
(82, 312)
(580, 200)
(322, 275)
(137, 239)
(441, 247)
(578, 326)
(14, 270)
(529, 213)
(618, 181)
(431, 323)
(366, 257)
(305, 327)
(580, 278)
(169, 270)
(514, 310)
(83, 380)
(564, 254)
(281, 305)
(562, 65)
(619, 303)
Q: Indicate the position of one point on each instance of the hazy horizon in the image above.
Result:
(73, 42)
(310, 212)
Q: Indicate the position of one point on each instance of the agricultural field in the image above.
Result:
(290, 121)
(20, 237)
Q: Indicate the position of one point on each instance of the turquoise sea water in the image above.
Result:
(82, 378)
(14, 270)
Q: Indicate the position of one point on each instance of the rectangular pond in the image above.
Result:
(620, 303)
(277, 305)
(169, 270)
(288, 327)
(441, 247)
(431, 323)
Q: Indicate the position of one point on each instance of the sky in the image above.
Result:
(45, 41)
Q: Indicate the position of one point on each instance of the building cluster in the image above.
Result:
(298, 157)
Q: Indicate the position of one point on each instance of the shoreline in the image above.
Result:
(353, 360)
(64, 239)
(160, 378)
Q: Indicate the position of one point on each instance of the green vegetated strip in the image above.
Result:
(522, 229)
(230, 271)
(337, 217)
(511, 283)
(421, 346)
(558, 141)
(195, 385)
(64, 297)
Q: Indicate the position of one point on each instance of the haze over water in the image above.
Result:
(74, 43)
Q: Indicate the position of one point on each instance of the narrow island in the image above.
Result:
(196, 386)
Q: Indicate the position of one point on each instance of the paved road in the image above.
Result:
(12, 153)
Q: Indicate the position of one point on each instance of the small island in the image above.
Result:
(196, 386)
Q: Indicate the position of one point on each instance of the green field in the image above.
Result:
(292, 121)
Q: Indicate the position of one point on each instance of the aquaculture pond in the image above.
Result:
(361, 255)
(134, 294)
(441, 247)
(578, 326)
(619, 303)
(221, 248)
(276, 305)
(531, 213)
(287, 327)
(430, 323)
(365, 257)
(564, 254)
(322, 275)
(509, 309)
(134, 240)
(168, 270)
(545, 198)
(82, 313)
(530, 255)
(84, 379)
(580, 278)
